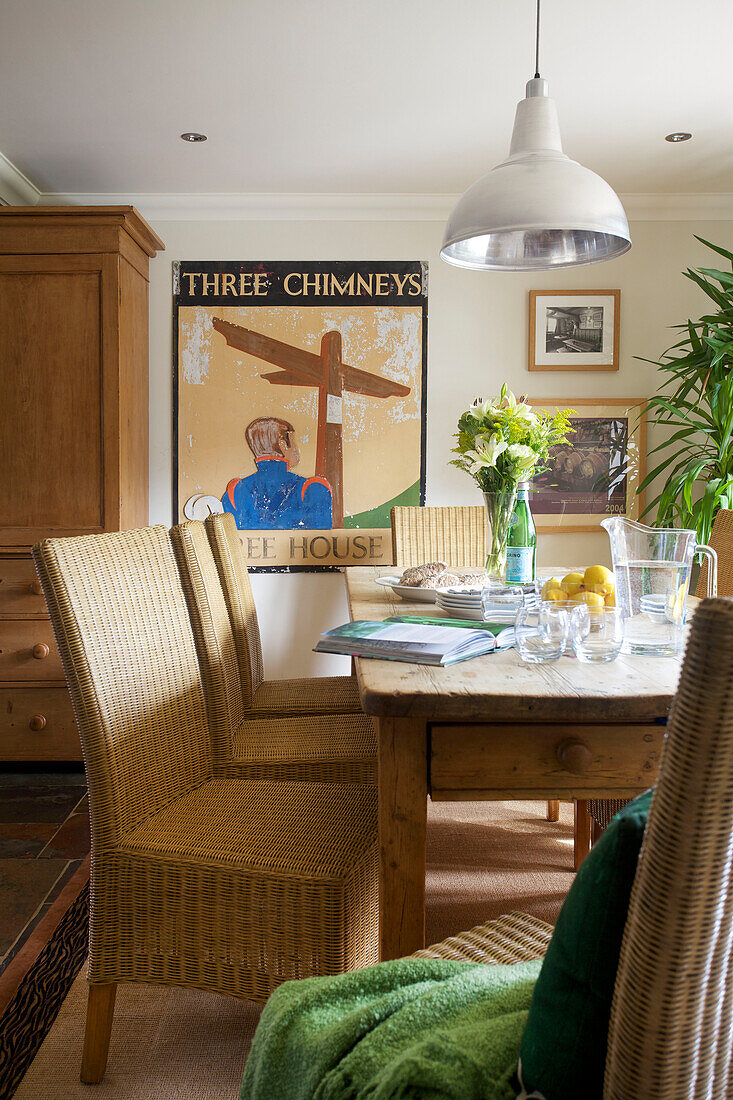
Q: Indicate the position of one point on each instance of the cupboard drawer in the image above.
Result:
(28, 651)
(37, 724)
(538, 761)
(21, 596)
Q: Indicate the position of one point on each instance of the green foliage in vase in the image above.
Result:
(696, 402)
(503, 441)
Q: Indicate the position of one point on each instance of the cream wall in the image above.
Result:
(477, 338)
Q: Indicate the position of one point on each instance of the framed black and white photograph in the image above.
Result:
(598, 471)
(574, 329)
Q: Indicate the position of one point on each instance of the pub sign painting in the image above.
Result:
(300, 404)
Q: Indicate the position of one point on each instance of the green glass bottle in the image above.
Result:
(521, 550)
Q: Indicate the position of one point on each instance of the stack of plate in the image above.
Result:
(462, 601)
(465, 602)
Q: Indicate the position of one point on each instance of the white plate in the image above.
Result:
(407, 592)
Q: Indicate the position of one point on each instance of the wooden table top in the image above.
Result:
(500, 687)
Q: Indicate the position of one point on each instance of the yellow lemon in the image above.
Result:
(610, 600)
(554, 595)
(552, 585)
(572, 583)
(594, 600)
(599, 579)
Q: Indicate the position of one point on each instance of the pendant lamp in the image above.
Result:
(538, 210)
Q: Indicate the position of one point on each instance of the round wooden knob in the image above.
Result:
(37, 722)
(35, 588)
(574, 755)
(40, 651)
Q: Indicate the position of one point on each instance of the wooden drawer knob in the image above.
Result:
(37, 722)
(35, 588)
(574, 755)
(40, 651)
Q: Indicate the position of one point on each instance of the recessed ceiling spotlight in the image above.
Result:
(681, 136)
(193, 137)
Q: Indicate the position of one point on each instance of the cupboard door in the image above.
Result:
(52, 383)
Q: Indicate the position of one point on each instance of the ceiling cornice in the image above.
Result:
(355, 207)
(15, 188)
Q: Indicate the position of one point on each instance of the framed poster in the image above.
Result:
(299, 404)
(574, 329)
(598, 471)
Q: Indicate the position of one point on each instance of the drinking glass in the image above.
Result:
(603, 639)
(541, 633)
(581, 612)
(500, 602)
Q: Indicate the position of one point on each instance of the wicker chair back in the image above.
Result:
(227, 551)
(214, 636)
(123, 631)
(671, 1034)
(456, 536)
(721, 540)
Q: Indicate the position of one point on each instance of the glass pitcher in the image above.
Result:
(652, 566)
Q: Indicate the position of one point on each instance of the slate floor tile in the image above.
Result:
(37, 802)
(23, 838)
(24, 885)
(71, 840)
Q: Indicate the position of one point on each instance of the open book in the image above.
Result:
(405, 638)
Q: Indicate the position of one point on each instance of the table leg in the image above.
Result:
(403, 812)
(581, 844)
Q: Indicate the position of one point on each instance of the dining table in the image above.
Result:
(494, 728)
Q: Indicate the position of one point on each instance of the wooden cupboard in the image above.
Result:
(73, 430)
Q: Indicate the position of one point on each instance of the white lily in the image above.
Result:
(486, 453)
(525, 458)
(483, 410)
(524, 412)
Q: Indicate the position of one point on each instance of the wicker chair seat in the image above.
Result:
(220, 891)
(321, 695)
(329, 748)
(514, 937)
(248, 824)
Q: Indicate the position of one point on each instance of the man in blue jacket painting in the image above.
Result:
(274, 497)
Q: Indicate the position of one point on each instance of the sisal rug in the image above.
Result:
(484, 859)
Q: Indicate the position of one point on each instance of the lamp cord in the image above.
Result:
(537, 46)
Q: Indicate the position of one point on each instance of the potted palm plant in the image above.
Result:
(695, 402)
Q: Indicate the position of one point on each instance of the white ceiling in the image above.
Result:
(357, 95)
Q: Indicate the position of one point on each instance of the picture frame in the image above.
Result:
(573, 330)
(597, 473)
(299, 404)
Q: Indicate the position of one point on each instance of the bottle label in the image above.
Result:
(519, 564)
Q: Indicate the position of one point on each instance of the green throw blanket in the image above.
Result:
(402, 1030)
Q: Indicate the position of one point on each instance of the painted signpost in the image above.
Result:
(346, 406)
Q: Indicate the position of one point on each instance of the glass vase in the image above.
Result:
(499, 511)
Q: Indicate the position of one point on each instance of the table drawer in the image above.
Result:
(28, 651)
(536, 761)
(37, 724)
(20, 590)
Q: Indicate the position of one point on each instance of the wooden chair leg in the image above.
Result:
(581, 842)
(553, 809)
(100, 1010)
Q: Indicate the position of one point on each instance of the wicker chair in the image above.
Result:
(216, 882)
(327, 747)
(670, 1035)
(268, 698)
(456, 535)
(601, 810)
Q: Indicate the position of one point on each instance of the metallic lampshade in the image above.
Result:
(538, 209)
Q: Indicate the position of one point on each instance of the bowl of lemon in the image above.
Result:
(595, 587)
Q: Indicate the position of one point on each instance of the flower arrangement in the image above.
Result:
(500, 443)
(503, 441)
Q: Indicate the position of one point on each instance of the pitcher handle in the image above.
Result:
(712, 557)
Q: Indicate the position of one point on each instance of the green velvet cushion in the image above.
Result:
(563, 1050)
